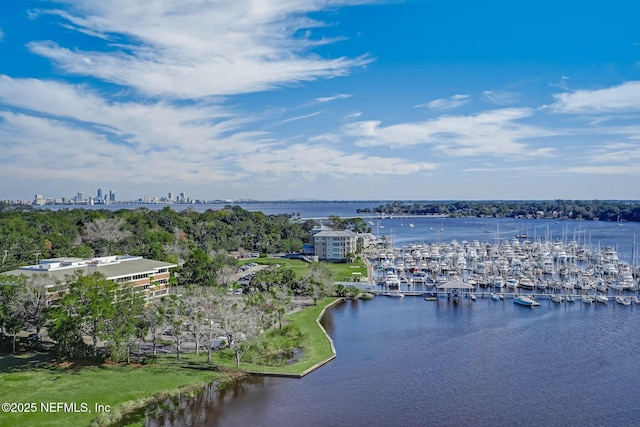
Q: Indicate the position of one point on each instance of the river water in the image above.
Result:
(412, 362)
(484, 363)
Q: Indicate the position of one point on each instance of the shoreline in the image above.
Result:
(138, 386)
(319, 364)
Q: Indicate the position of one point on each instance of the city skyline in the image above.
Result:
(337, 100)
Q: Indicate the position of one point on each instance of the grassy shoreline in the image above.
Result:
(33, 378)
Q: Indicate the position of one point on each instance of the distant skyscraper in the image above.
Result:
(99, 196)
(170, 196)
(79, 197)
(112, 196)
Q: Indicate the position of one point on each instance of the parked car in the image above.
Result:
(219, 343)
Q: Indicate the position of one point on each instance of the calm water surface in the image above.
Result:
(412, 362)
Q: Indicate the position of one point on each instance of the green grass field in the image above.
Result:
(32, 378)
(343, 271)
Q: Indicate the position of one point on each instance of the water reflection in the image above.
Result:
(204, 409)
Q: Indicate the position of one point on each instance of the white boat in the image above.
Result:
(430, 297)
(557, 298)
(495, 297)
(620, 299)
(526, 283)
(472, 296)
(587, 299)
(602, 298)
(395, 294)
(571, 298)
(524, 300)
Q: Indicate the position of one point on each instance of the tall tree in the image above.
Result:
(239, 323)
(321, 280)
(91, 299)
(154, 321)
(174, 310)
(121, 328)
(280, 302)
(31, 302)
(9, 289)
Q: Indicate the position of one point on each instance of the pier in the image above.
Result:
(539, 270)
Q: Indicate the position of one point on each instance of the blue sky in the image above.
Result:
(320, 99)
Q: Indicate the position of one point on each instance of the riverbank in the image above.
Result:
(62, 394)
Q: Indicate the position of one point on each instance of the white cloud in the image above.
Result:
(495, 132)
(605, 170)
(154, 142)
(500, 97)
(333, 98)
(309, 161)
(192, 48)
(617, 152)
(621, 98)
(306, 116)
(446, 103)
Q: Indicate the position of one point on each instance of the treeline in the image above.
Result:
(116, 319)
(164, 235)
(561, 209)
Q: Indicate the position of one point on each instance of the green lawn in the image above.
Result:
(32, 378)
(343, 271)
(318, 347)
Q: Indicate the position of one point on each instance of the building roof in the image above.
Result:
(455, 284)
(113, 267)
(319, 228)
(336, 233)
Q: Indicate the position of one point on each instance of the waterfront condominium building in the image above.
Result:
(334, 245)
(145, 275)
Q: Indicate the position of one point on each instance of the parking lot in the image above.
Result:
(245, 273)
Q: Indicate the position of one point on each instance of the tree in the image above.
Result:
(31, 302)
(239, 322)
(90, 299)
(280, 302)
(154, 321)
(321, 280)
(198, 269)
(64, 327)
(9, 288)
(105, 231)
(13, 324)
(194, 305)
(122, 327)
(173, 309)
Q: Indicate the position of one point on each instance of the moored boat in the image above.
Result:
(430, 296)
(395, 294)
(524, 300)
(602, 298)
(587, 299)
(620, 299)
(557, 298)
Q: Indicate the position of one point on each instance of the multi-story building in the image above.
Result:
(145, 275)
(334, 245)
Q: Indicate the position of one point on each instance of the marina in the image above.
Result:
(560, 270)
(430, 359)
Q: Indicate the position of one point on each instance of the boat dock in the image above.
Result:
(481, 294)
